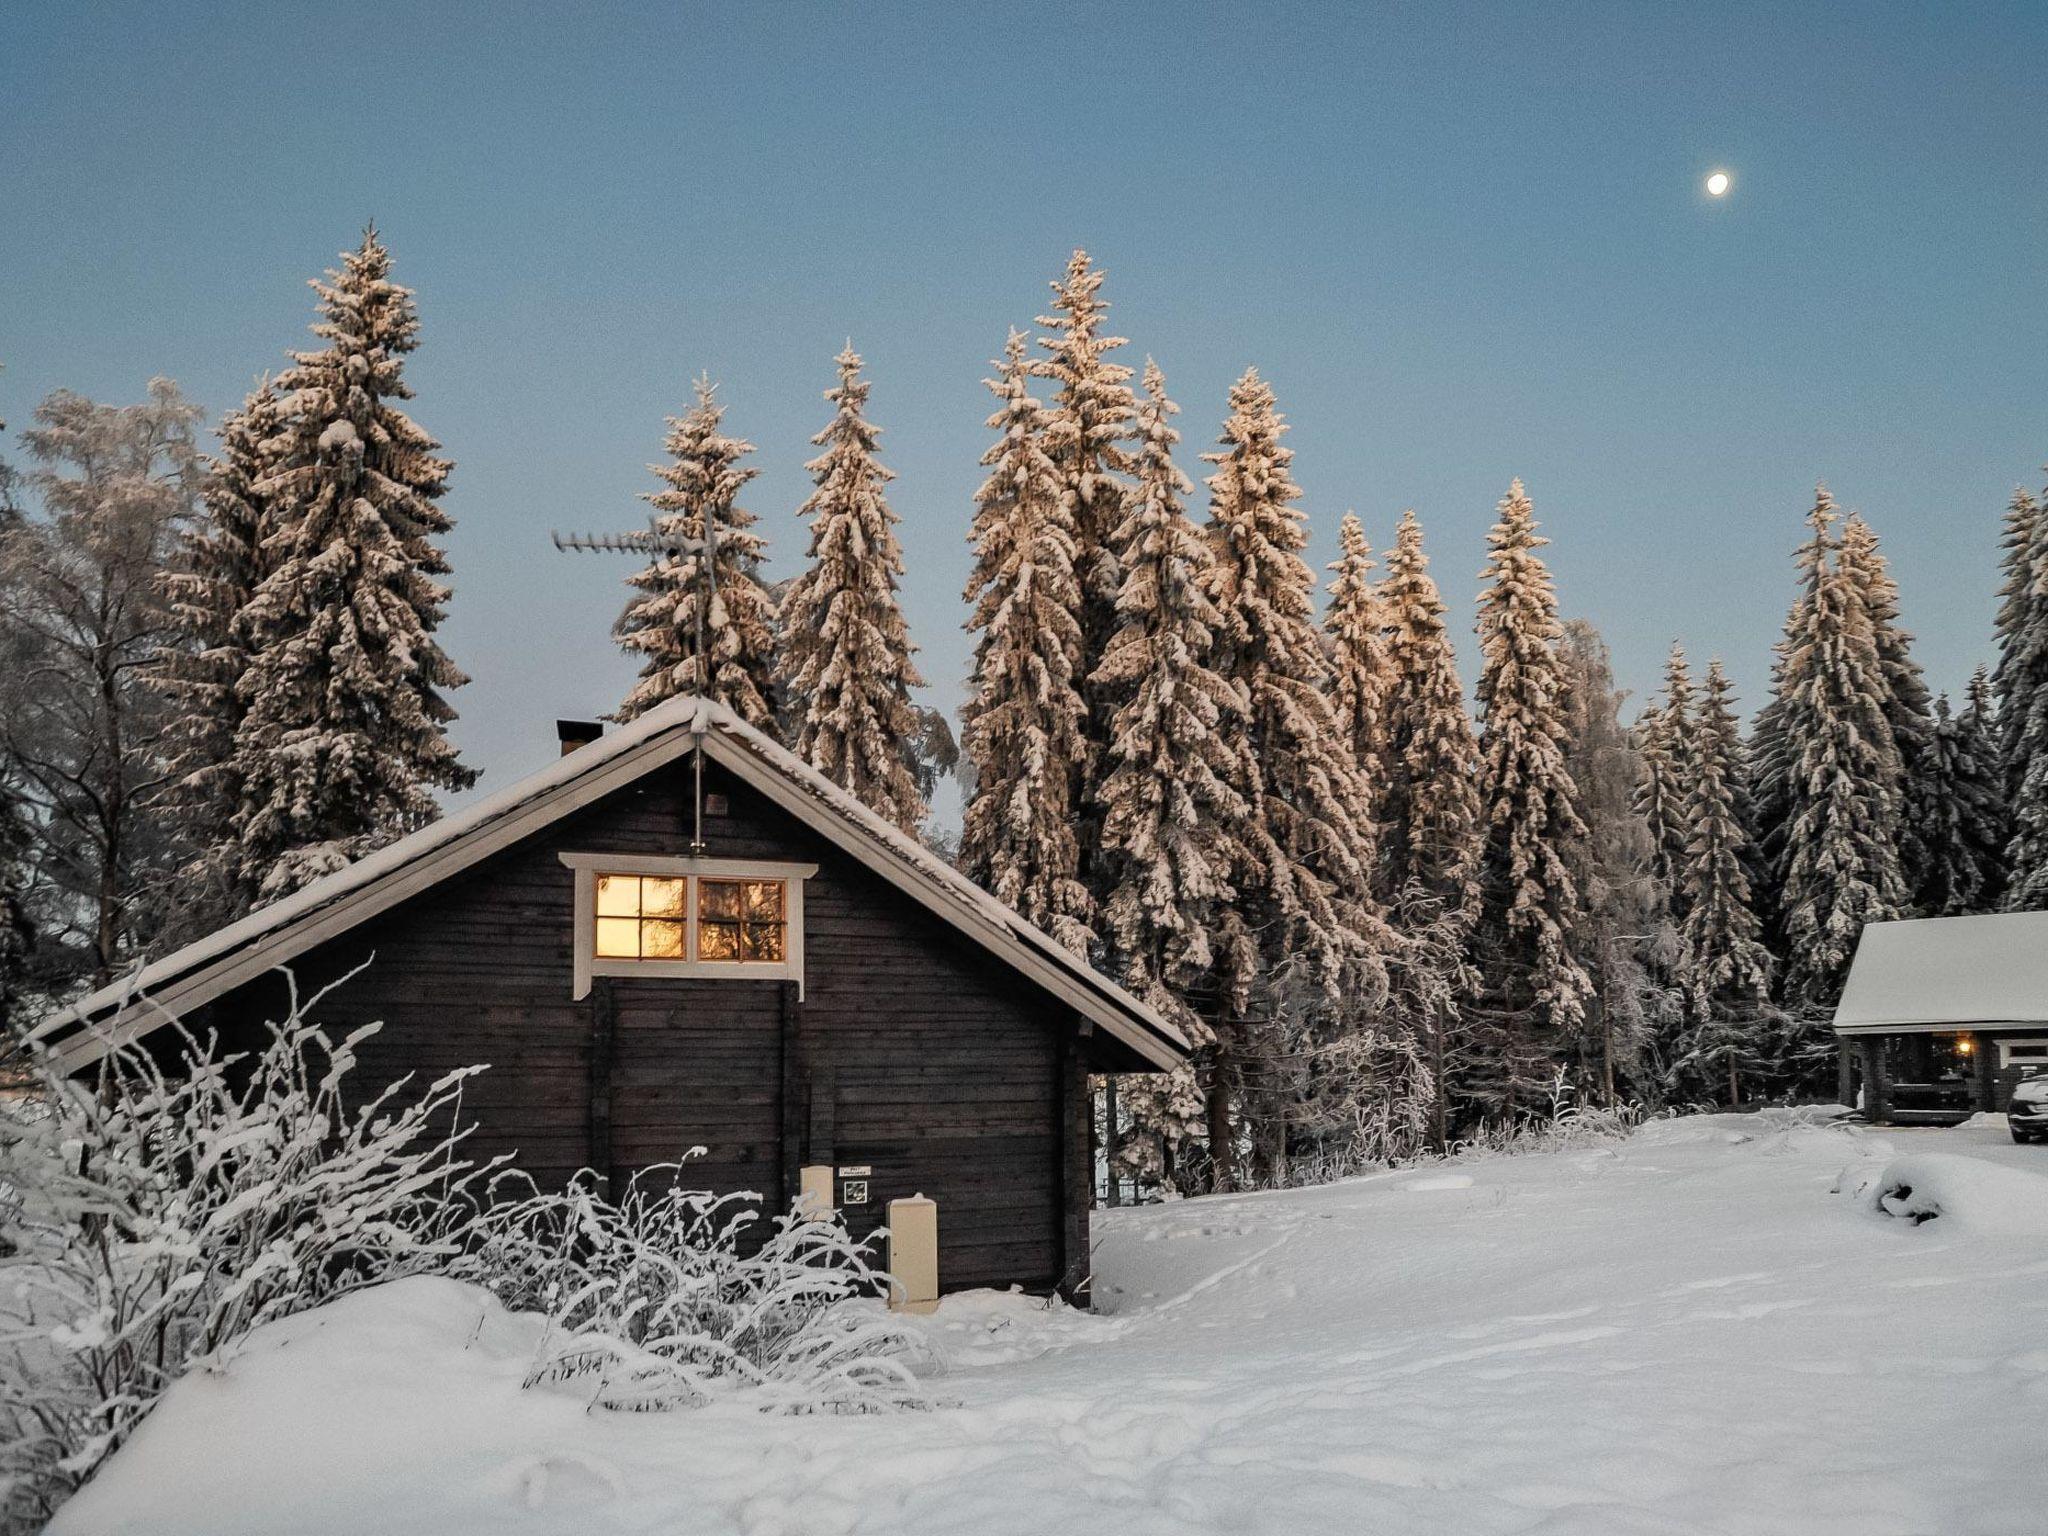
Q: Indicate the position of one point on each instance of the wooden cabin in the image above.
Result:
(1941, 1016)
(678, 935)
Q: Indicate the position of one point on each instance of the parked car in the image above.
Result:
(2028, 1112)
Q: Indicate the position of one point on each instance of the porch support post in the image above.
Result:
(1845, 1073)
(1076, 1169)
(1877, 1088)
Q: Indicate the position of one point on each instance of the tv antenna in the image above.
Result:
(673, 547)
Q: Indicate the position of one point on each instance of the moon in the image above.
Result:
(1717, 184)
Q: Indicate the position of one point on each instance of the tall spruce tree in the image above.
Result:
(219, 566)
(1361, 667)
(846, 672)
(1959, 805)
(1305, 884)
(1172, 797)
(344, 740)
(736, 619)
(1531, 912)
(1908, 707)
(1664, 738)
(1430, 803)
(1088, 425)
(1429, 820)
(1024, 717)
(1725, 974)
(1839, 867)
(2020, 683)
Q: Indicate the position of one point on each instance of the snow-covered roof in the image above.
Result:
(1947, 972)
(272, 936)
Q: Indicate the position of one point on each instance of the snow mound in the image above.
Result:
(1962, 1192)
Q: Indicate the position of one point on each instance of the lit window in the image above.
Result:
(686, 917)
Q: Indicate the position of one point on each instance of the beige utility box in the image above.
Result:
(914, 1253)
(814, 1192)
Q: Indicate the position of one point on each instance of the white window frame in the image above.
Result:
(2038, 1042)
(590, 964)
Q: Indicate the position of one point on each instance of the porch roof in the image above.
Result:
(1938, 973)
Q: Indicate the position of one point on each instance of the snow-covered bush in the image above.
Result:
(1566, 1125)
(159, 1210)
(658, 1300)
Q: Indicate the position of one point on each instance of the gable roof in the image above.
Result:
(273, 935)
(1947, 972)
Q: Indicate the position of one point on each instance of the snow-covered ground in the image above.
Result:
(1684, 1333)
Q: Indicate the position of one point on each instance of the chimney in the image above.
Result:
(576, 733)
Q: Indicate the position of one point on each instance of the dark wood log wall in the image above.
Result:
(913, 1050)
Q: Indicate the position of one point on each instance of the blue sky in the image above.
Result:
(1464, 242)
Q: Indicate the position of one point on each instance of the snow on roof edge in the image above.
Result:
(685, 715)
(1989, 968)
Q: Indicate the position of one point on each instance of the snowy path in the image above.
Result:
(1686, 1333)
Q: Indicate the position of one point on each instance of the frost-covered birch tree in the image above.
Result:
(1024, 718)
(1614, 865)
(344, 741)
(219, 565)
(1172, 797)
(1531, 909)
(1725, 973)
(83, 618)
(1840, 865)
(705, 474)
(845, 669)
(1305, 885)
(1959, 805)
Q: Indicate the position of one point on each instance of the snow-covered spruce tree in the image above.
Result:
(1908, 707)
(1172, 794)
(1725, 971)
(1959, 806)
(1840, 865)
(1022, 724)
(845, 668)
(1305, 885)
(1528, 933)
(1664, 736)
(705, 474)
(1089, 422)
(1627, 919)
(1429, 819)
(17, 921)
(1430, 803)
(2020, 683)
(344, 740)
(1361, 667)
(219, 565)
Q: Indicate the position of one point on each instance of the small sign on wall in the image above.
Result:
(853, 1191)
(856, 1171)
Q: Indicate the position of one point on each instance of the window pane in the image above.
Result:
(661, 898)
(618, 938)
(618, 895)
(718, 900)
(764, 941)
(718, 941)
(764, 901)
(660, 940)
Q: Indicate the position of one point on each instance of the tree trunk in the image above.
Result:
(1222, 1138)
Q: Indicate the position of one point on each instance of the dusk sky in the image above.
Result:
(1464, 243)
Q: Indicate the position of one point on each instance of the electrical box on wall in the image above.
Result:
(914, 1253)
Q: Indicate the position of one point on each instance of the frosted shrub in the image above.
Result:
(655, 1302)
(1567, 1125)
(157, 1211)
